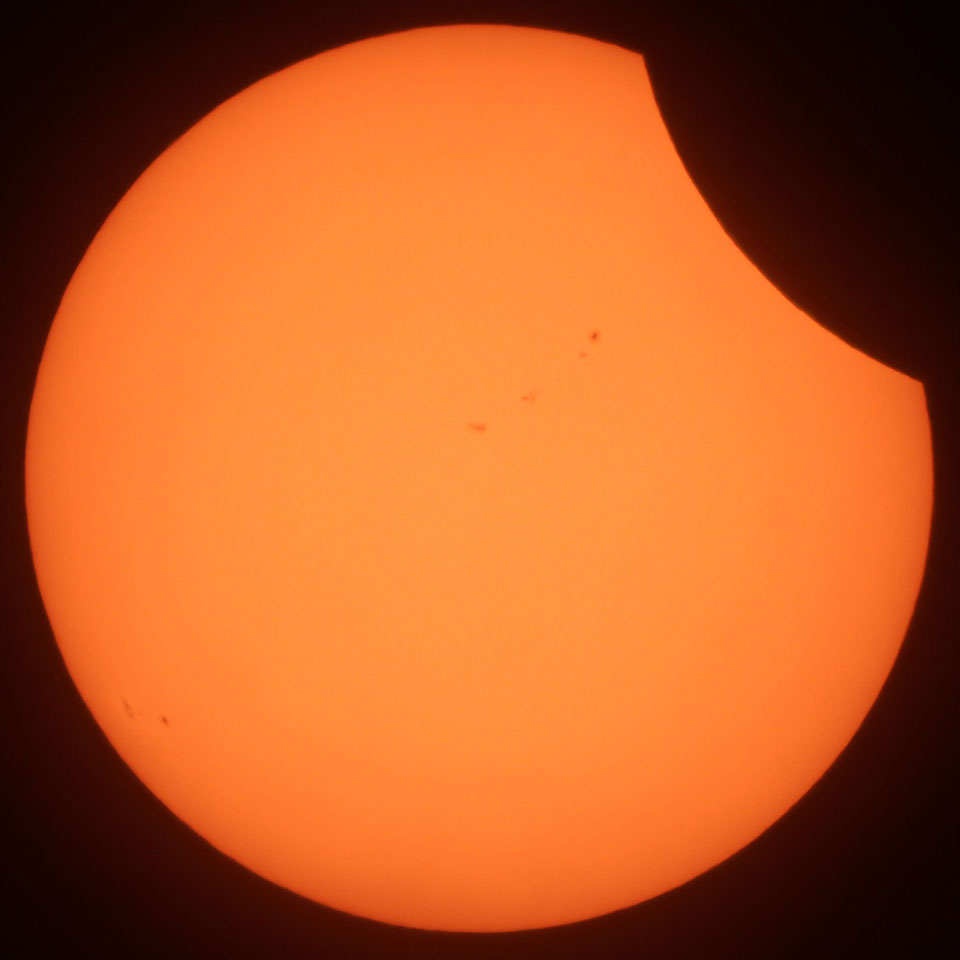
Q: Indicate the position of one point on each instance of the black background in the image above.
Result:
(821, 136)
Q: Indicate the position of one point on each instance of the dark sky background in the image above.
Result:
(821, 135)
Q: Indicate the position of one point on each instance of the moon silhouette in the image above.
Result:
(436, 509)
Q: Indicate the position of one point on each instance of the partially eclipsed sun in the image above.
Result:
(436, 509)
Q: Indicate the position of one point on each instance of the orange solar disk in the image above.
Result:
(440, 514)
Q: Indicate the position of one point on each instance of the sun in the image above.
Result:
(436, 509)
